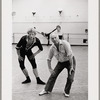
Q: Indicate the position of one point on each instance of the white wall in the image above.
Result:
(74, 17)
(71, 27)
(47, 10)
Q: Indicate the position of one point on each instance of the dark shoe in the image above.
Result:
(39, 81)
(26, 81)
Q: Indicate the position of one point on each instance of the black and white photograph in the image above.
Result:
(49, 50)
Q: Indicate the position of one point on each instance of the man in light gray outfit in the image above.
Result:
(62, 51)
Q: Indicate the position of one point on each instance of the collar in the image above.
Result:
(60, 42)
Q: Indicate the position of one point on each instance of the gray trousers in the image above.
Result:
(57, 70)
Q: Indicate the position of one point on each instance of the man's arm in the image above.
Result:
(18, 47)
(49, 64)
(50, 56)
(18, 53)
(39, 46)
(37, 52)
(69, 55)
(71, 60)
(71, 66)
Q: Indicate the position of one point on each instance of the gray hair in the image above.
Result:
(54, 35)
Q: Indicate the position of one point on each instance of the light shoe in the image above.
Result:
(66, 95)
(43, 92)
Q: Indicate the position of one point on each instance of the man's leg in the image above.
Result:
(51, 81)
(35, 71)
(39, 81)
(70, 78)
(68, 85)
(25, 72)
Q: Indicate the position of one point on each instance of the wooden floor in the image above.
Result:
(79, 90)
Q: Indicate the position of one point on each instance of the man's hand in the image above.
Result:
(71, 70)
(20, 58)
(31, 57)
(26, 49)
(35, 54)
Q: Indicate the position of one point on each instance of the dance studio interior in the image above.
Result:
(43, 16)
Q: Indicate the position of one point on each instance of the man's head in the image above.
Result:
(54, 38)
(31, 33)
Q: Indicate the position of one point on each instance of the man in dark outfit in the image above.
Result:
(58, 32)
(23, 48)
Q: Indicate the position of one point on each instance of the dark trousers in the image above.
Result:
(57, 70)
(32, 60)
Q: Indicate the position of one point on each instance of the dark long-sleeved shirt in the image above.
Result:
(22, 44)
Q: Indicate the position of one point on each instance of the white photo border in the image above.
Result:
(93, 52)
